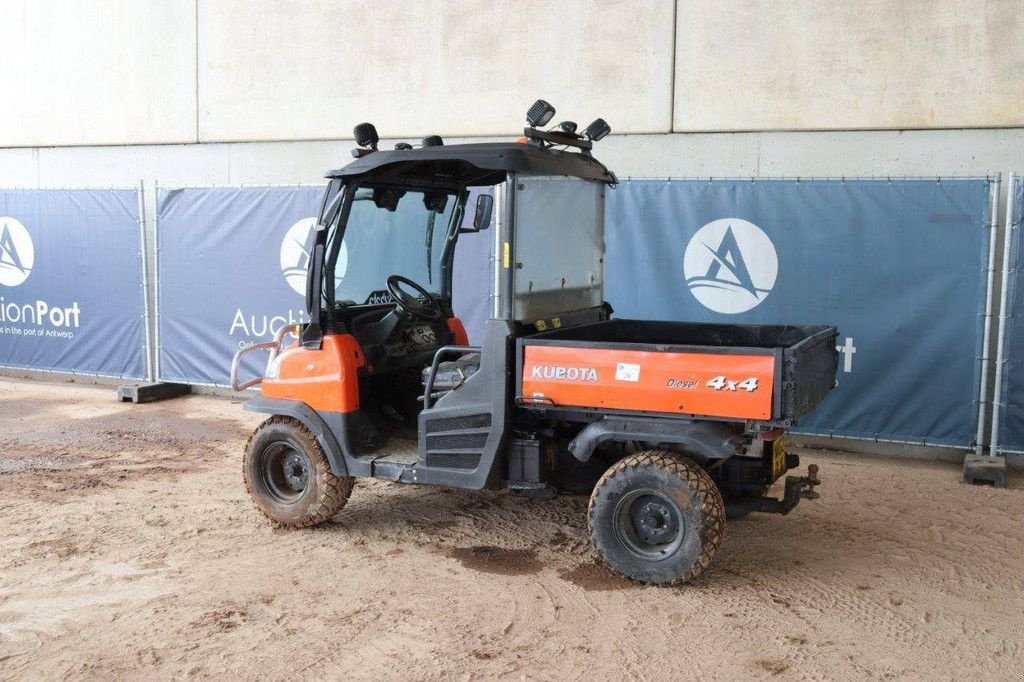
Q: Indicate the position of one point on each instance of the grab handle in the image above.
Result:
(428, 389)
(274, 347)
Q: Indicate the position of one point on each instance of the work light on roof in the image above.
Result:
(562, 135)
(597, 130)
(540, 113)
(366, 136)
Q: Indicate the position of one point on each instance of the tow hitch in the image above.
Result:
(805, 484)
(797, 487)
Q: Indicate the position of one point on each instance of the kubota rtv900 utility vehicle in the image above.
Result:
(667, 423)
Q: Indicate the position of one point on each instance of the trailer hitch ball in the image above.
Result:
(807, 489)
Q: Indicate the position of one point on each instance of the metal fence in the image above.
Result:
(231, 271)
(902, 265)
(72, 282)
(899, 265)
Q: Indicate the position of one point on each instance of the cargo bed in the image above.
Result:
(765, 373)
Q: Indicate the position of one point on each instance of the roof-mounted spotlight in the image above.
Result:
(402, 146)
(568, 127)
(366, 135)
(598, 130)
(540, 113)
(432, 141)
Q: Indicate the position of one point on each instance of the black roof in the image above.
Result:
(472, 164)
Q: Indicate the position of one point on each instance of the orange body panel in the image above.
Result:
(713, 384)
(327, 379)
(458, 330)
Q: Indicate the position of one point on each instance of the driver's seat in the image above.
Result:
(451, 374)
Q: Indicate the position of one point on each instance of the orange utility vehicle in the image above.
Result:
(667, 424)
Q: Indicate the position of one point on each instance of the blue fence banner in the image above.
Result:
(71, 286)
(1008, 424)
(232, 272)
(897, 265)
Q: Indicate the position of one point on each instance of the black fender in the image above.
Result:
(706, 439)
(309, 418)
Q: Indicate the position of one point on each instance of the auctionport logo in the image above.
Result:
(730, 265)
(297, 249)
(17, 253)
(33, 318)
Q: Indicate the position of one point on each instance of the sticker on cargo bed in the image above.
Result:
(684, 384)
(625, 371)
(559, 373)
(730, 265)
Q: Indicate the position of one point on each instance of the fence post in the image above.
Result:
(156, 278)
(1009, 229)
(144, 255)
(986, 336)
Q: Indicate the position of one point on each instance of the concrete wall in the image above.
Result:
(89, 72)
(836, 64)
(310, 70)
(98, 72)
(764, 154)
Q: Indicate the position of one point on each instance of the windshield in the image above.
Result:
(389, 232)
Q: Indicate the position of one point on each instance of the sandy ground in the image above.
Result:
(129, 549)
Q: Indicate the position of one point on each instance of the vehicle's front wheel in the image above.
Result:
(656, 517)
(288, 476)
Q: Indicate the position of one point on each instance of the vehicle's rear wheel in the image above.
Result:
(288, 476)
(657, 518)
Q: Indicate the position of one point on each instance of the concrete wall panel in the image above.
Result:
(769, 154)
(835, 64)
(311, 69)
(19, 168)
(865, 153)
(97, 72)
(170, 164)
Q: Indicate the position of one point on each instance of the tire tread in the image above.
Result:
(334, 490)
(697, 479)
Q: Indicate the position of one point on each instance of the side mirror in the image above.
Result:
(484, 210)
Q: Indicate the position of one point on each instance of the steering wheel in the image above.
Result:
(426, 306)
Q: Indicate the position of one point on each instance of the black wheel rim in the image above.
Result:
(285, 472)
(649, 524)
